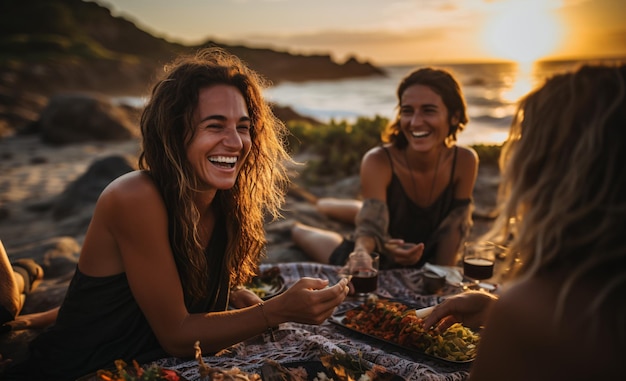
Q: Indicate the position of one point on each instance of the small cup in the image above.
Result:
(433, 283)
(363, 269)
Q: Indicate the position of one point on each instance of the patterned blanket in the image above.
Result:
(293, 342)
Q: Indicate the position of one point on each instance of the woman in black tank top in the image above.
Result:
(170, 244)
(416, 187)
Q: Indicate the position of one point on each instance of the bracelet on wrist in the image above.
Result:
(267, 322)
(270, 329)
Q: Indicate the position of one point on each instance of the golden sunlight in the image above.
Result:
(523, 30)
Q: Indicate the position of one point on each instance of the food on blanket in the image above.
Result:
(331, 367)
(233, 374)
(156, 373)
(267, 284)
(215, 374)
(272, 370)
(137, 373)
(348, 368)
(397, 323)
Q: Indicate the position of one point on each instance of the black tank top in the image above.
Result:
(412, 223)
(100, 322)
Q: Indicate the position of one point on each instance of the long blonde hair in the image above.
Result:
(563, 190)
(167, 127)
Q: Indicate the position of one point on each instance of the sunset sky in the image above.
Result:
(394, 31)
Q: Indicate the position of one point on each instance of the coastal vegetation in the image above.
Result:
(335, 149)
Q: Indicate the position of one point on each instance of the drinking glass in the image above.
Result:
(478, 261)
(362, 270)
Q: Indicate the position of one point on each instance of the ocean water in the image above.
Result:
(491, 91)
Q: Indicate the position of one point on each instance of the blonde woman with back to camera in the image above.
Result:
(562, 315)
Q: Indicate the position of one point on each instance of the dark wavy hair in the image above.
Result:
(167, 128)
(442, 83)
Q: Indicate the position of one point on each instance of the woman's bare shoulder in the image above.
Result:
(131, 189)
(377, 152)
(466, 171)
(517, 328)
(467, 155)
(377, 158)
(520, 299)
(375, 173)
(132, 182)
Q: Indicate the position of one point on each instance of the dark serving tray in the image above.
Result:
(338, 319)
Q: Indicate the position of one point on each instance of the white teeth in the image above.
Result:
(420, 134)
(223, 159)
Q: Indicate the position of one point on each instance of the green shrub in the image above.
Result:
(337, 148)
(488, 154)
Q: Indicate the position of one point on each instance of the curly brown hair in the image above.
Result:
(167, 128)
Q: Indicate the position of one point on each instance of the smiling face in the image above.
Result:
(221, 138)
(424, 119)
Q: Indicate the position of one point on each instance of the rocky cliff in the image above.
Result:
(52, 45)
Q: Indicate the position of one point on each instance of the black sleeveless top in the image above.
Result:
(413, 223)
(100, 322)
(409, 221)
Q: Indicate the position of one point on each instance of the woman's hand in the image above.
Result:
(32, 321)
(308, 301)
(358, 259)
(242, 297)
(404, 253)
(469, 308)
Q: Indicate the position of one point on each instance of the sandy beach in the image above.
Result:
(33, 174)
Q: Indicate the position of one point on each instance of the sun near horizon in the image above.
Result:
(523, 31)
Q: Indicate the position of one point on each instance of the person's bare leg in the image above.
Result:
(317, 243)
(344, 210)
(11, 285)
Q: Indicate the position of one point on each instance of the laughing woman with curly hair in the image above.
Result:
(170, 244)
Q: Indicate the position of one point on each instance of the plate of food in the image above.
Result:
(267, 284)
(133, 372)
(396, 323)
(336, 366)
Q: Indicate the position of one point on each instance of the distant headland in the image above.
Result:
(57, 45)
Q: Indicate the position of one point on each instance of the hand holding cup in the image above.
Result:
(362, 270)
